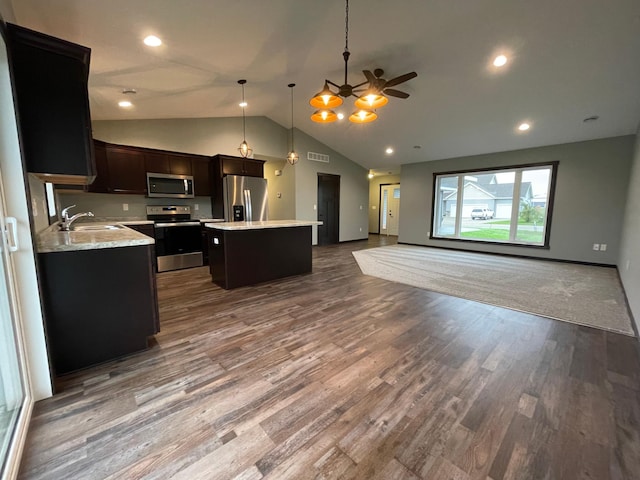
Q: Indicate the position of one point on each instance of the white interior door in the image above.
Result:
(389, 209)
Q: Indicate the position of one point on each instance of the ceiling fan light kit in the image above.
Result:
(324, 116)
(325, 98)
(371, 94)
(363, 116)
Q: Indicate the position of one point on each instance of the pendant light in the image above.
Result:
(244, 149)
(292, 156)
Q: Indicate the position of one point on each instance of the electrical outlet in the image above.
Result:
(279, 194)
(125, 207)
(627, 265)
(373, 207)
(315, 207)
(196, 206)
(360, 207)
(603, 247)
(596, 246)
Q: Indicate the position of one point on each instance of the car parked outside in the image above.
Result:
(481, 213)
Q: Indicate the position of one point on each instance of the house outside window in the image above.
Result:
(506, 205)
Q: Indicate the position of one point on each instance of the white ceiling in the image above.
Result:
(569, 60)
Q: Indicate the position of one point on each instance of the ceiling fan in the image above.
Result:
(376, 82)
(370, 94)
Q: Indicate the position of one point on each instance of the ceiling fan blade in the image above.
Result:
(401, 79)
(395, 93)
(370, 76)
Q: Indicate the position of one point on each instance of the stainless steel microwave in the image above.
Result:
(164, 185)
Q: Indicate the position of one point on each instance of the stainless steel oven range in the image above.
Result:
(178, 237)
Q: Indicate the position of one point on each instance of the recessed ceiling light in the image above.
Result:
(592, 118)
(500, 61)
(340, 116)
(243, 104)
(129, 91)
(125, 104)
(370, 175)
(524, 126)
(389, 151)
(152, 41)
(417, 147)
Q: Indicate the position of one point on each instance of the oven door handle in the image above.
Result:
(177, 224)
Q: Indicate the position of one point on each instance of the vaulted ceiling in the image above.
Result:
(567, 60)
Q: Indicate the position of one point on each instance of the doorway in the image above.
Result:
(389, 209)
(328, 208)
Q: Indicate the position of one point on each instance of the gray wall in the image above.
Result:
(204, 136)
(629, 261)
(591, 192)
(281, 188)
(298, 185)
(374, 199)
(354, 188)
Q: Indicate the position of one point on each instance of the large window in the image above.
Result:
(510, 205)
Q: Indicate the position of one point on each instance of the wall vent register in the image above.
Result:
(318, 157)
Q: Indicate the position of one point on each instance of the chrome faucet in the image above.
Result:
(65, 225)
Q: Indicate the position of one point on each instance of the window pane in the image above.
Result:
(532, 213)
(503, 205)
(445, 206)
(487, 205)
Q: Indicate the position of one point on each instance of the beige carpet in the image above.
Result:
(582, 294)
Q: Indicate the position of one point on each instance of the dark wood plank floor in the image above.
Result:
(338, 375)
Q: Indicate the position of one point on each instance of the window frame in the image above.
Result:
(550, 202)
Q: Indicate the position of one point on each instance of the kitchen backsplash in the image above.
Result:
(107, 205)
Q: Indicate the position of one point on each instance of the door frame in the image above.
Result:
(380, 201)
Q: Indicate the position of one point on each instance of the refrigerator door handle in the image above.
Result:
(247, 209)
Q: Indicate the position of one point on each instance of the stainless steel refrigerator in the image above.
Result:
(245, 198)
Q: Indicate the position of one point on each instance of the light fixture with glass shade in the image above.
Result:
(292, 156)
(244, 149)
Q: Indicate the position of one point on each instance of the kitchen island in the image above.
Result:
(247, 253)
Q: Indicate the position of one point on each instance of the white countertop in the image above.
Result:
(53, 240)
(260, 225)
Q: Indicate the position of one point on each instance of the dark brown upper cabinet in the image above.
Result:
(201, 179)
(227, 165)
(49, 78)
(123, 168)
(127, 172)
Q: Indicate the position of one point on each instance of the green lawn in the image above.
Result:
(503, 235)
(507, 222)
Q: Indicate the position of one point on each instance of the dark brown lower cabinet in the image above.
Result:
(246, 257)
(99, 304)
